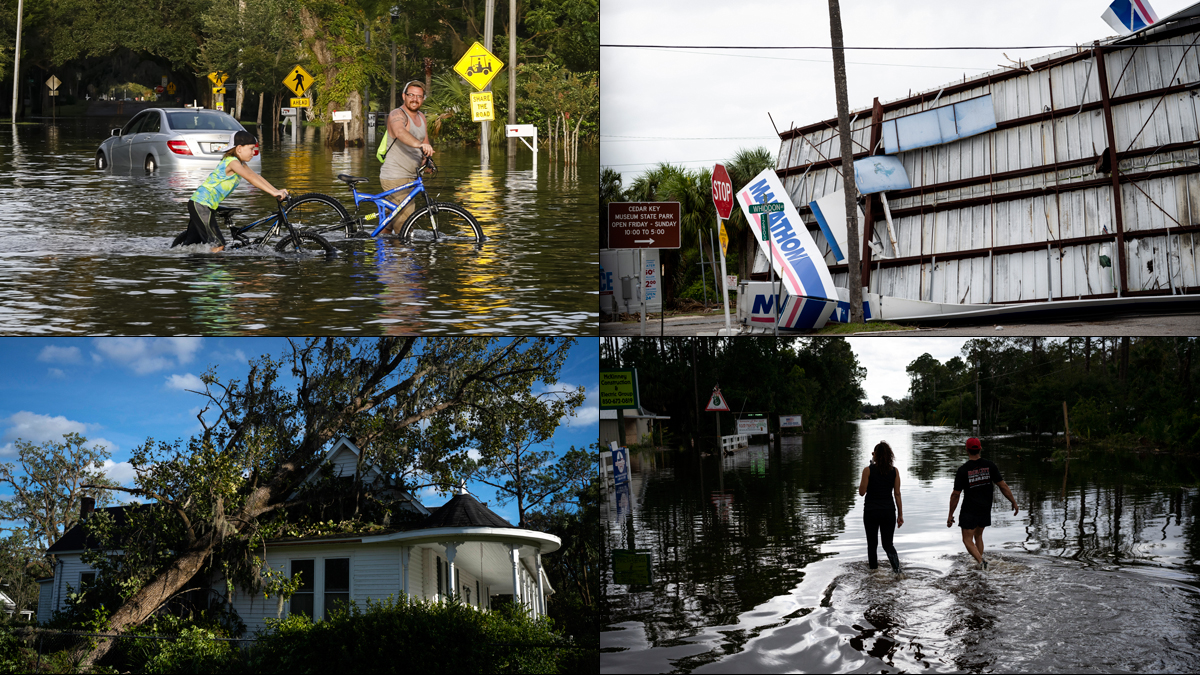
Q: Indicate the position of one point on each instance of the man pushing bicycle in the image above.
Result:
(408, 130)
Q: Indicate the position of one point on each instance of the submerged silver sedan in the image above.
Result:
(176, 138)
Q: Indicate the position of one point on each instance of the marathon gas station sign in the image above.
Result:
(643, 224)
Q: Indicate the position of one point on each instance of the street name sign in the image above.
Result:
(478, 66)
(643, 224)
(773, 207)
(481, 107)
(722, 191)
(618, 389)
(298, 80)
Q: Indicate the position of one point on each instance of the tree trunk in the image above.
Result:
(315, 36)
(152, 596)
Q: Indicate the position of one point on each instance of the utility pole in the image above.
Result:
(512, 73)
(17, 61)
(393, 27)
(485, 127)
(853, 261)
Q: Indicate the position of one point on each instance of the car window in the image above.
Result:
(133, 125)
(151, 125)
(202, 120)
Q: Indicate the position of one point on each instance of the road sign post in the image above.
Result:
(722, 190)
(764, 209)
(643, 225)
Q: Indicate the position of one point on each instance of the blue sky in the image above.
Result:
(120, 391)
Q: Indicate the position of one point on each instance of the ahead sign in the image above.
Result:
(643, 224)
(722, 189)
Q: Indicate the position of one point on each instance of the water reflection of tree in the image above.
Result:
(707, 570)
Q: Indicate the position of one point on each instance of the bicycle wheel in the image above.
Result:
(443, 221)
(319, 213)
(305, 242)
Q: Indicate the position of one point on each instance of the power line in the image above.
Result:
(885, 49)
(697, 138)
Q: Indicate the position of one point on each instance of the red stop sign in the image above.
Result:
(722, 189)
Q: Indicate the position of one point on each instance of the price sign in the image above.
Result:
(643, 224)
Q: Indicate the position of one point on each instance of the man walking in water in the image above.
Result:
(976, 478)
(408, 130)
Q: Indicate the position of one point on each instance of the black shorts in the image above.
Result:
(969, 520)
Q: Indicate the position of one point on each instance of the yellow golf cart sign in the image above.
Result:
(618, 389)
(478, 66)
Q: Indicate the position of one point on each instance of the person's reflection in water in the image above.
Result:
(403, 295)
(881, 516)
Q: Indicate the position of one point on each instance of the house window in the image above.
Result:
(302, 599)
(337, 583)
(86, 579)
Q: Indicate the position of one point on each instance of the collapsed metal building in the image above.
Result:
(1094, 157)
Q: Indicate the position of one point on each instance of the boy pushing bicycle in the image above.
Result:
(202, 207)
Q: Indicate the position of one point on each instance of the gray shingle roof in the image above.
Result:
(463, 511)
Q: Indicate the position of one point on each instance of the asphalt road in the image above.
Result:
(1132, 324)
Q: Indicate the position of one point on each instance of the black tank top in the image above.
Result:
(880, 484)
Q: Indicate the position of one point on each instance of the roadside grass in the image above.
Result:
(872, 327)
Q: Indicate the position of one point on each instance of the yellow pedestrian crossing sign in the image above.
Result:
(298, 80)
(218, 79)
(171, 88)
(478, 66)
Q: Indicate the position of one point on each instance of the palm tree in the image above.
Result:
(747, 164)
(693, 191)
(610, 191)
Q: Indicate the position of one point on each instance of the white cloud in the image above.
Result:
(147, 355)
(38, 429)
(52, 354)
(56, 373)
(122, 472)
(188, 382)
(588, 413)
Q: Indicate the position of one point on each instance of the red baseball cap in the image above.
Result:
(973, 444)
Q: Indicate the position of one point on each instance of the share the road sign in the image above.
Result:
(643, 224)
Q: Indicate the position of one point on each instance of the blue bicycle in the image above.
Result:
(435, 221)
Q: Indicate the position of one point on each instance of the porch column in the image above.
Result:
(451, 551)
(513, 550)
(541, 590)
(405, 553)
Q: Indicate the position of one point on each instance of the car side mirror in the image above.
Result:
(115, 132)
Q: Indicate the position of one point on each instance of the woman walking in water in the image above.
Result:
(880, 515)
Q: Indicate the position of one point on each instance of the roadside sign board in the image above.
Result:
(478, 66)
(301, 103)
(716, 402)
(643, 224)
(342, 115)
(160, 89)
(773, 207)
(481, 107)
(170, 87)
(620, 465)
(786, 421)
(218, 90)
(298, 81)
(54, 92)
(53, 82)
(722, 191)
(164, 80)
(218, 79)
(752, 427)
(618, 389)
(221, 106)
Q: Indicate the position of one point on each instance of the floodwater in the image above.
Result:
(759, 563)
(87, 251)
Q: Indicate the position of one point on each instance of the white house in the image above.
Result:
(460, 545)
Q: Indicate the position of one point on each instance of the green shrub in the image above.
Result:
(408, 636)
(12, 653)
(194, 652)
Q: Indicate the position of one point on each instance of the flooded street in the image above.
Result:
(87, 251)
(759, 562)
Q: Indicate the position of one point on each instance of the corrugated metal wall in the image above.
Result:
(1061, 208)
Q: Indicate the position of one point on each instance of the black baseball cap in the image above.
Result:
(244, 137)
